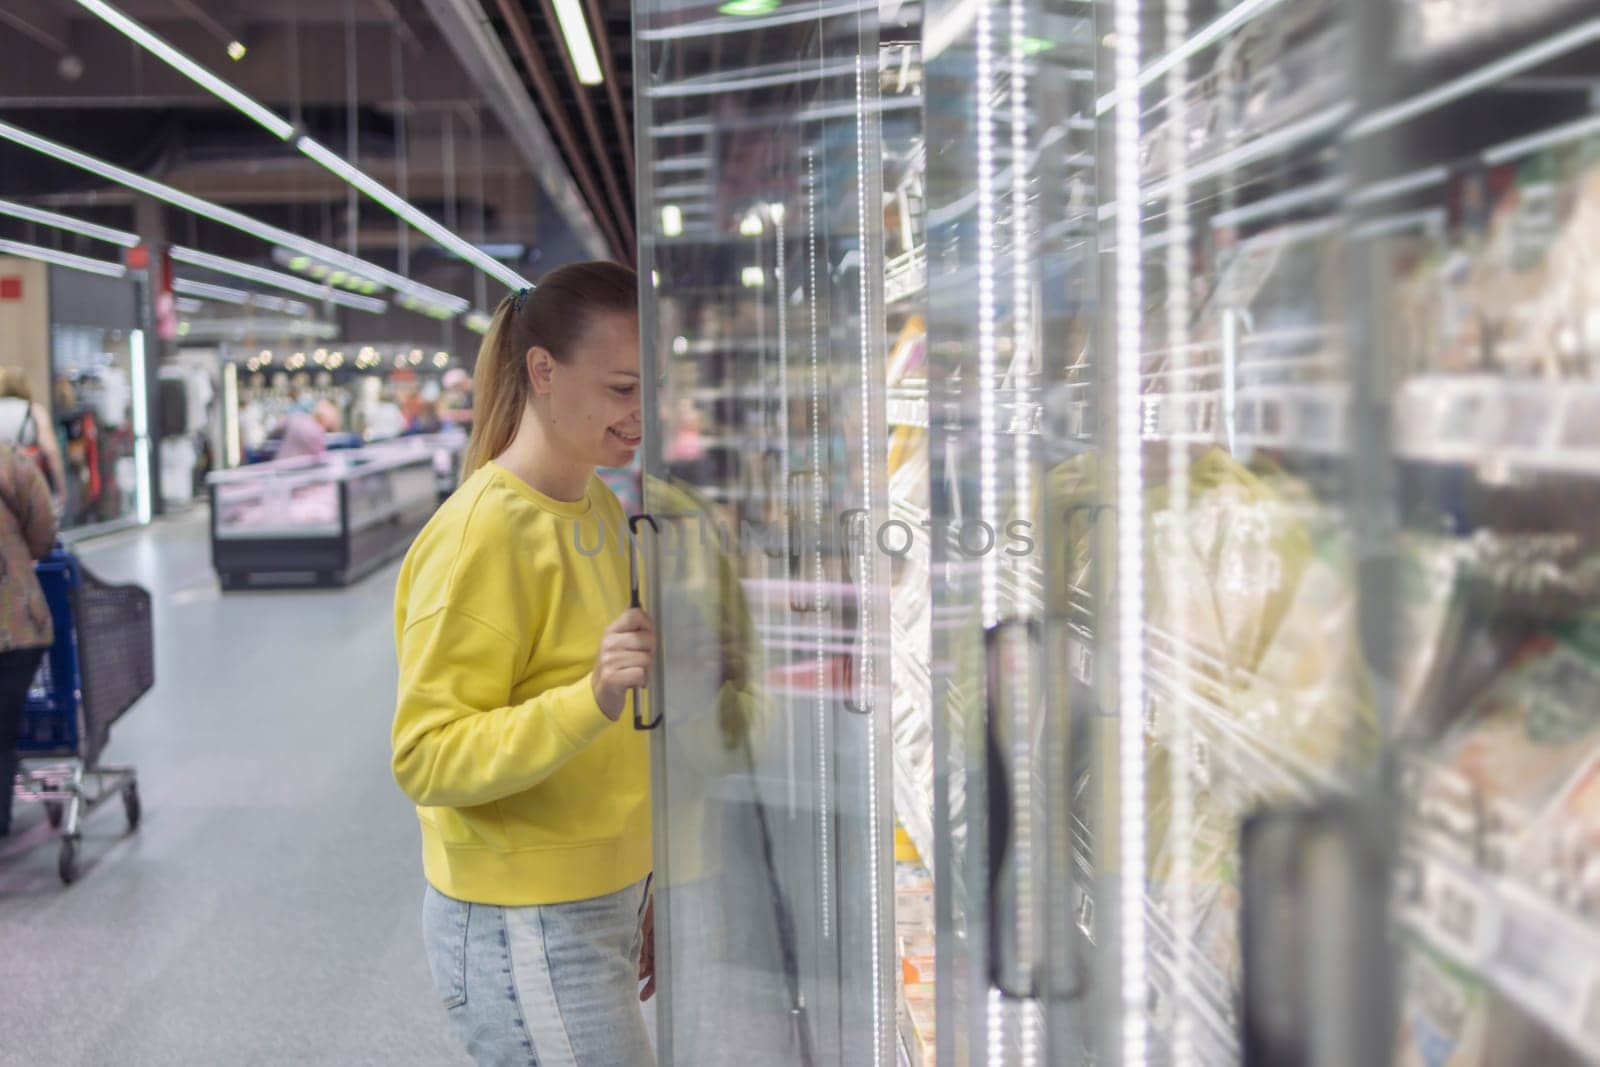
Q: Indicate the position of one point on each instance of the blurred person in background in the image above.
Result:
(26, 424)
(307, 435)
(27, 533)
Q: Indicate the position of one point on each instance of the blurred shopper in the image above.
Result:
(307, 434)
(25, 423)
(27, 532)
(517, 650)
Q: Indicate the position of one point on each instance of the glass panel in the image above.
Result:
(1476, 195)
(1011, 306)
(761, 253)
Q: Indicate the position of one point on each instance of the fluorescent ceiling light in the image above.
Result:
(749, 8)
(417, 220)
(289, 282)
(478, 321)
(206, 291)
(283, 130)
(68, 223)
(63, 259)
(223, 215)
(580, 46)
(672, 220)
(274, 124)
(1402, 186)
(236, 50)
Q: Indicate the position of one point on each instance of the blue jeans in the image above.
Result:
(550, 986)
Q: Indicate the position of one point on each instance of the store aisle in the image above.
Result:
(267, 910)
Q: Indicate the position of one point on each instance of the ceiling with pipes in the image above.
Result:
(475, 112)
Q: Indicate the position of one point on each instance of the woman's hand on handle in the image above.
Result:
(623, 662)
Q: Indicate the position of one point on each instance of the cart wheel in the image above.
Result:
(54, 811)
(68, 865)
(130, 804)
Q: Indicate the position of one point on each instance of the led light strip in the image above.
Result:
(68, 223)
(335, 164)
(181, 63)
(288, 282)
(223, 215)
(141, 425)
(1214, 32)
(824, 850)
(988, 466)
(63, 259)
(714, 84)
(1130, 547)
(866, 654)
(1550, 48)
(1022, 747)
(1178, 310)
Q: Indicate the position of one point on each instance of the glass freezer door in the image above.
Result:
(763, 345)
(1012, 306)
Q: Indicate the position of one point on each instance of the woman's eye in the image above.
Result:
(622, 390)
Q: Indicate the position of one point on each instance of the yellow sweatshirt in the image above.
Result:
(527, 793)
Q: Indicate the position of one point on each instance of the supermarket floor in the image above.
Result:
(267, 911)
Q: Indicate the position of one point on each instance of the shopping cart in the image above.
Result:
(102, 662)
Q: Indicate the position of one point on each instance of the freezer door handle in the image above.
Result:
(1007, 973)
(856, 519)
(633, 601)
(797, 600)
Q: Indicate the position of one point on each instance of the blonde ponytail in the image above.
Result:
(499, 392)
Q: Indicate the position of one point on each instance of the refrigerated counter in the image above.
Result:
(327, 520)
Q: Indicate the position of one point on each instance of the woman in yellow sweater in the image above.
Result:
(517, 649)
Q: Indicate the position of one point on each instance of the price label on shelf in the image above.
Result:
(1458, 911)
(1082, 660)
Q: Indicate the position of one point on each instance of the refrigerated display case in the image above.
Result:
(1224, 372)
(326, 520)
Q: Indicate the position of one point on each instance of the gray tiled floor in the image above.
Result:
(267, 910)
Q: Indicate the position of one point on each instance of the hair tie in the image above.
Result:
(521, 298)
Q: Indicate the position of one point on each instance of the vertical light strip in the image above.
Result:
(141, 425)
(819, 601)
(230, 413)
(866, 651)
(1177, 583)
(784, 466)
(1130, 541)
(1022, 378)
(988, 473)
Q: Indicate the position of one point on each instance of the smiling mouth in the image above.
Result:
(631, 442)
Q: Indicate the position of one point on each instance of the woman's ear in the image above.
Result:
(540, 365)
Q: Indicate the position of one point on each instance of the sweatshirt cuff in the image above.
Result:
(578, 715)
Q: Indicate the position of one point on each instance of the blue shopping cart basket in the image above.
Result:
(102, 661)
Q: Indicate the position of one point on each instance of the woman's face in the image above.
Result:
(594, 410)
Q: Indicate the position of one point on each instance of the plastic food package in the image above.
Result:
(1522, 741)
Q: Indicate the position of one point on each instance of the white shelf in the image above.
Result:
(906, 276)
(1504, 427)
(908, 405)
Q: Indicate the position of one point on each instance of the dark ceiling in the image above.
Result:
(381, 82)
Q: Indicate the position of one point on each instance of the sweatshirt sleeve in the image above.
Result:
(457, 743)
